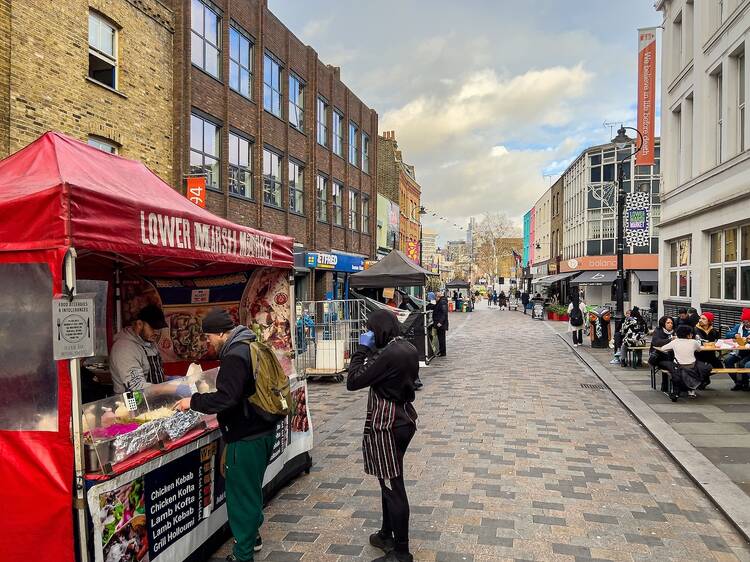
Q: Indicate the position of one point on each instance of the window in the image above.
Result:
(365, 153)
(271, 178)
(353, 210)
(741, 102)
(271, 85)
(204, 150)
(296, 101)
(719, 118)
(321, 188)
(102, 51)
(240, 62)
(322, 118)
(729, 264)
(337, 196)
(677, 44)
(365, 214)
(103, 144)
(240, 166)
(680, 275)
(338, 133)
(296, 187)
(353, 149)
(205, 38)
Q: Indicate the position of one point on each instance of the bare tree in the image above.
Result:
(492, 242)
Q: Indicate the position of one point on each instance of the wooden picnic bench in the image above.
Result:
(630, 356)
(722, 371)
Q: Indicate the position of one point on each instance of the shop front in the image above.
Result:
(331, 271)
(87, 240)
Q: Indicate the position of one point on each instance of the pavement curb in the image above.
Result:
(724, 493)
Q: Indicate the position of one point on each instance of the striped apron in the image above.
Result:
(379, 443)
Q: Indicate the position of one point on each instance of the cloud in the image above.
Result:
(486, 101)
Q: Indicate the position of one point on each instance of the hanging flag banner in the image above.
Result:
(636, 219)
(412, 251)
(646, 93)
(196, 190)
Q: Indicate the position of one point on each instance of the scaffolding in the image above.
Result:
(327, 336)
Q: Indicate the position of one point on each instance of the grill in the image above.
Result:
(593, 386)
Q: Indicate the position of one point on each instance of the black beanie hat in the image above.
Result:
(217, 321)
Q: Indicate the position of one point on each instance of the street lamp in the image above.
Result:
(421, 242)
(622, 140)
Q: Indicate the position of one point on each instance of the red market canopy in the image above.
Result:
(60, 192)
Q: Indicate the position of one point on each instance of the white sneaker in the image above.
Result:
(614, 361)
(692, 394)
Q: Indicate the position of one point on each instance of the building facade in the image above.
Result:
(542, 236)
(284, 144)
(429, 249)
(705, 225)
(99, 71)
(590, 220)
(556, 226)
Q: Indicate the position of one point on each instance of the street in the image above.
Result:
(521, 454)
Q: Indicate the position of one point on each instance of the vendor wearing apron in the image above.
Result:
(389, 365)
(134, 360)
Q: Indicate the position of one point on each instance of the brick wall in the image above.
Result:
(44, 80)
(388, 169)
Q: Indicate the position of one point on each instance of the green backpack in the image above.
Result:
(273, 398)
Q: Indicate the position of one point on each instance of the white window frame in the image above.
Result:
(99, 22)
(679, 267)
(105, 145)
(722, 265)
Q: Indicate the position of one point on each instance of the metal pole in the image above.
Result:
(619, 287)
(74, 366)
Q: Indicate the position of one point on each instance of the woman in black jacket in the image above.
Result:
(658, 359)
(389, 365)
(705, 332)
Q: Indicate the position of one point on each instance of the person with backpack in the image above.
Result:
(249, 401)
(389, 365)
(576, 315)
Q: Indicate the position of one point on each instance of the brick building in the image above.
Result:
(283, 142)
(100, 71)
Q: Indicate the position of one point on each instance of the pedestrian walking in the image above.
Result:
(489, 298)
(440, 321)
(501, 300)
(389, 366)
(525, 300)
(248, 434)
(576, 314)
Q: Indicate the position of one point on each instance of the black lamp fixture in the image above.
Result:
(622, 141)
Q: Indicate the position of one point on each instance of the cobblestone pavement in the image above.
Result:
(515, 459)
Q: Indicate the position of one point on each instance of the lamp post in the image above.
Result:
(421, 243)
(621, 141)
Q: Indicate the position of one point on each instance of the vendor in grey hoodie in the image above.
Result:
(134, 360)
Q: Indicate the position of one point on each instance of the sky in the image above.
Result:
(488, 98)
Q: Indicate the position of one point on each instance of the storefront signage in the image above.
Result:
(196, 191)
(73, 327)
(631, 261)
(334, 262)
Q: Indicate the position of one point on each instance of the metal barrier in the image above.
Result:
(327, 336)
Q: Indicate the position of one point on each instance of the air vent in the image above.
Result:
(593, 386)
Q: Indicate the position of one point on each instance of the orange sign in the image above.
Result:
(412, 251)
(196, 191)
(646, 93)
(589, 263)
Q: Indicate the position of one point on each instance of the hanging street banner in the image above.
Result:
(646, 94)
(637, 232)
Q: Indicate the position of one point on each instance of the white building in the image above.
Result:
(590, 224)
(705, 225)
(542, 241)
(429, 248)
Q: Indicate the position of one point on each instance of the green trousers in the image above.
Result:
(246, 463)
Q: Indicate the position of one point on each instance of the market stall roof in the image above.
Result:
(558, 277)
(60, 192)
(647, 275)
(458, 284)
(394, 270)
(594, 278)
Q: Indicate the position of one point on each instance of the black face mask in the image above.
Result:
(384, 325)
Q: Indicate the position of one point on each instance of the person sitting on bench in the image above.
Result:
(660, 360)
(740, 359)
(689, 373)
(706, 333)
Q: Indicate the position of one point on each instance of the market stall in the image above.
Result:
(458, 292)
(396, 270)
(86, 239)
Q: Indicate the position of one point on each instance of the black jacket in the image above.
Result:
(440, 313)
(391, 372)
(658, 339)
(234, 384)
(525, 298)
(711, 335)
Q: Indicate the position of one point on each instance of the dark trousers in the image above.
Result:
(742, 360)
(667, 365)
(393, 494)
(578, 336)
(441, 340)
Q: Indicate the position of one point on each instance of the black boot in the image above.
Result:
(383, 541)
(394, 556)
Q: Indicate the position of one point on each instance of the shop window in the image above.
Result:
(680, 274)
(338, 133)
(204, 150)
(240, 166)
(271, 178)
(28, 378)
(240, 62)
(102, 50)
(337, 198)
(296, 187)
(205, 38)
(729, 264)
